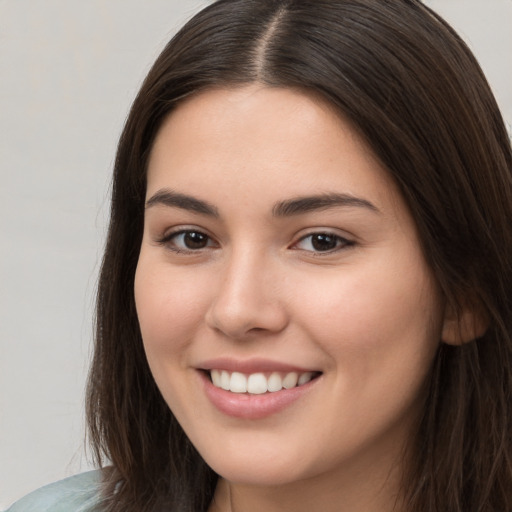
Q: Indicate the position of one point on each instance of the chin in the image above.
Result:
(260, 466)
(249, 474)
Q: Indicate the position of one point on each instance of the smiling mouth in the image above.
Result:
(259, 383)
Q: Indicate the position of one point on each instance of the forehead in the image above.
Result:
(256, 141)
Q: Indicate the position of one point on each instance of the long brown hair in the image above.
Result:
(415, 93)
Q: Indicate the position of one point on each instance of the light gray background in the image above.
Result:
(69, 70)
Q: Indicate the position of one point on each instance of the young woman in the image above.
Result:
(305, 302)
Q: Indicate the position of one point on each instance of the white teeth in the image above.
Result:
(290, 381)
(215, 374)
(238, 383)
(258, 383)
(225, 380)
(275, 383)
(304, 378)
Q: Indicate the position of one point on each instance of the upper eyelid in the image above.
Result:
(330, 232)
(326, 231)
(184, 229)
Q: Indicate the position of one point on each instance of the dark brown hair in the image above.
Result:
(415, 93)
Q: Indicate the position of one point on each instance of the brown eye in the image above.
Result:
(323, 242)
(187, 240)
(195, 240)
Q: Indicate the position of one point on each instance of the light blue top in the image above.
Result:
(79, 493)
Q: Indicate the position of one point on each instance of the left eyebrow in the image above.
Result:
(306, 204)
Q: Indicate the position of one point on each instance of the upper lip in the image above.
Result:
(251, 366)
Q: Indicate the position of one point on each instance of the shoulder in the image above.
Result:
(79, 493)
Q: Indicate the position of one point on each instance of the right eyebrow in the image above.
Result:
(173, 199)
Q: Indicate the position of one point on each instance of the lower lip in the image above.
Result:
(253, 407)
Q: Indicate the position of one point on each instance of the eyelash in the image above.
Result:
(169, 240)
(340, 242)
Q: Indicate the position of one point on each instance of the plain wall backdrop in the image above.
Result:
(68, 73)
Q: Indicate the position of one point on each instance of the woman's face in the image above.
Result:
(278, 254)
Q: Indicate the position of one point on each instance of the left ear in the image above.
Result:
(464, 323)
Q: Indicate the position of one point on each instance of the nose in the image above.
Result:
(248, 299)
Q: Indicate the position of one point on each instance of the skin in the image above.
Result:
(366, 313)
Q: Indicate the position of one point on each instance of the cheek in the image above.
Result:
(381, 337)
(374, 319)
(169, 307)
